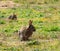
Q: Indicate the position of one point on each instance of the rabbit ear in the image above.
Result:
(30, 21)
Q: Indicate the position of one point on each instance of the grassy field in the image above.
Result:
(46, 18)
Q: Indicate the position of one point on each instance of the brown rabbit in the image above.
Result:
(13, 17)
(26, 32)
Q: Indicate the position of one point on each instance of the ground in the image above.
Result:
(46, 19)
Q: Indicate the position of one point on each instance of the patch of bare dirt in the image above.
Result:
(8, 4)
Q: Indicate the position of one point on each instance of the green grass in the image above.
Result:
(46, 19)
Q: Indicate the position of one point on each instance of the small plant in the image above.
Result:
(16, 1)
(2, 22)
(16, 31)
(32, 2)
(0, 43)
(33, 43)
(2, 15)
(6, 30)
(36, 49)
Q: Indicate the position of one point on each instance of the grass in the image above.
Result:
(46, 20)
